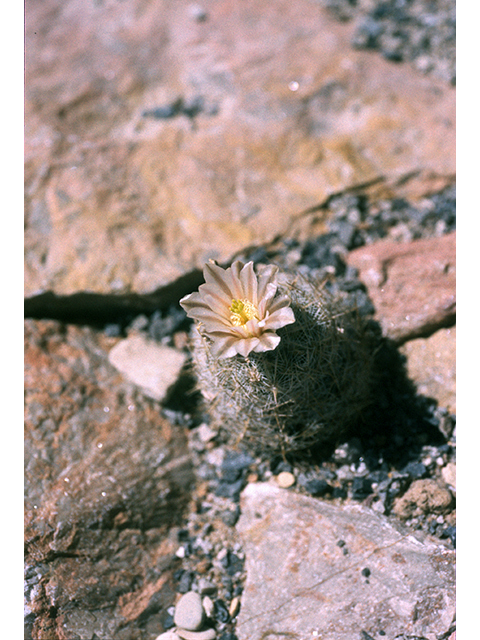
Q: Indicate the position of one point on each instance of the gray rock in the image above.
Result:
(300, 584)
(189, 612)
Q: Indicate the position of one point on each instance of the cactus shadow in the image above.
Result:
(398, 421)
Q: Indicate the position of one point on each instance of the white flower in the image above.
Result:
(238, 309)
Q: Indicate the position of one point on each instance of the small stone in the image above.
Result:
(207, 634)
(205, 433)
(416, 470)
(168, 635)
(189, 612)
(449, 474)
(208, 606)
(423, 496)
(206, 587)
(234, 607)
(317, 487)
(285, 479)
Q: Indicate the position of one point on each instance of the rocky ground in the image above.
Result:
(316, 135)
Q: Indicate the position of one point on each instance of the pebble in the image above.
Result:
(208, 606)
(168, 635)
(206, 587)
(449, 473)
(189, 612)
(285, 479)
(207, 634)
(234, 607)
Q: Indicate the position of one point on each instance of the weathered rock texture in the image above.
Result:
(431, 364)
(158, 137)
(106, 479)
(412, 285)
(319, 570)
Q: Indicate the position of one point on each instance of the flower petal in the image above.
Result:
(268, 342)
(279, 319)
(226, 280)
(249, 283)
(265, 301)
(278, 303)
(245, 346)
(192, 301)
(267, 275)
(224, 347)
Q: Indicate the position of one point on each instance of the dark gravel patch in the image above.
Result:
(421, 32)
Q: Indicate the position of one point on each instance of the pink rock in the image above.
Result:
(431, 364)
(120, 201)
(412, 285)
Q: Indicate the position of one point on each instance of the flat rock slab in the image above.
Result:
(156, 139)
(412, 285)
(106, 477)
(316, 570)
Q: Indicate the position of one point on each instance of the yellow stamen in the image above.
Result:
(242, 311)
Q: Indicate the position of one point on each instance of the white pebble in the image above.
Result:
(189, 612)
(234, 607)
(285, 479)
(208, 634)
(168, 635)
(208, 607)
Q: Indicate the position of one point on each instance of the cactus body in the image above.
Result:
(309, 390)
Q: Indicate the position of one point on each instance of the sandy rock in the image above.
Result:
(423, 496)
(300, 584)
(412, 285)
(101, 466)
(153, 367)
(431, 364)
(155, 140)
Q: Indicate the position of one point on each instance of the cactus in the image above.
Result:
(308, 390)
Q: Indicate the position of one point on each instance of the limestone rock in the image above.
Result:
(106, 477)
(412, 285)
(153, 367)
(155, 140)
(301, 584)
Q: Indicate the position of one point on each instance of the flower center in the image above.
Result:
(242, 311)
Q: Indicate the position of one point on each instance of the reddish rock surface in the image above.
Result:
(106, 478)
(412, 285)
(157, 138)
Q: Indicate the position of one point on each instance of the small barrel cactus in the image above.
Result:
(280, 373)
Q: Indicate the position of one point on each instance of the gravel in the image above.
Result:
(420, 32)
